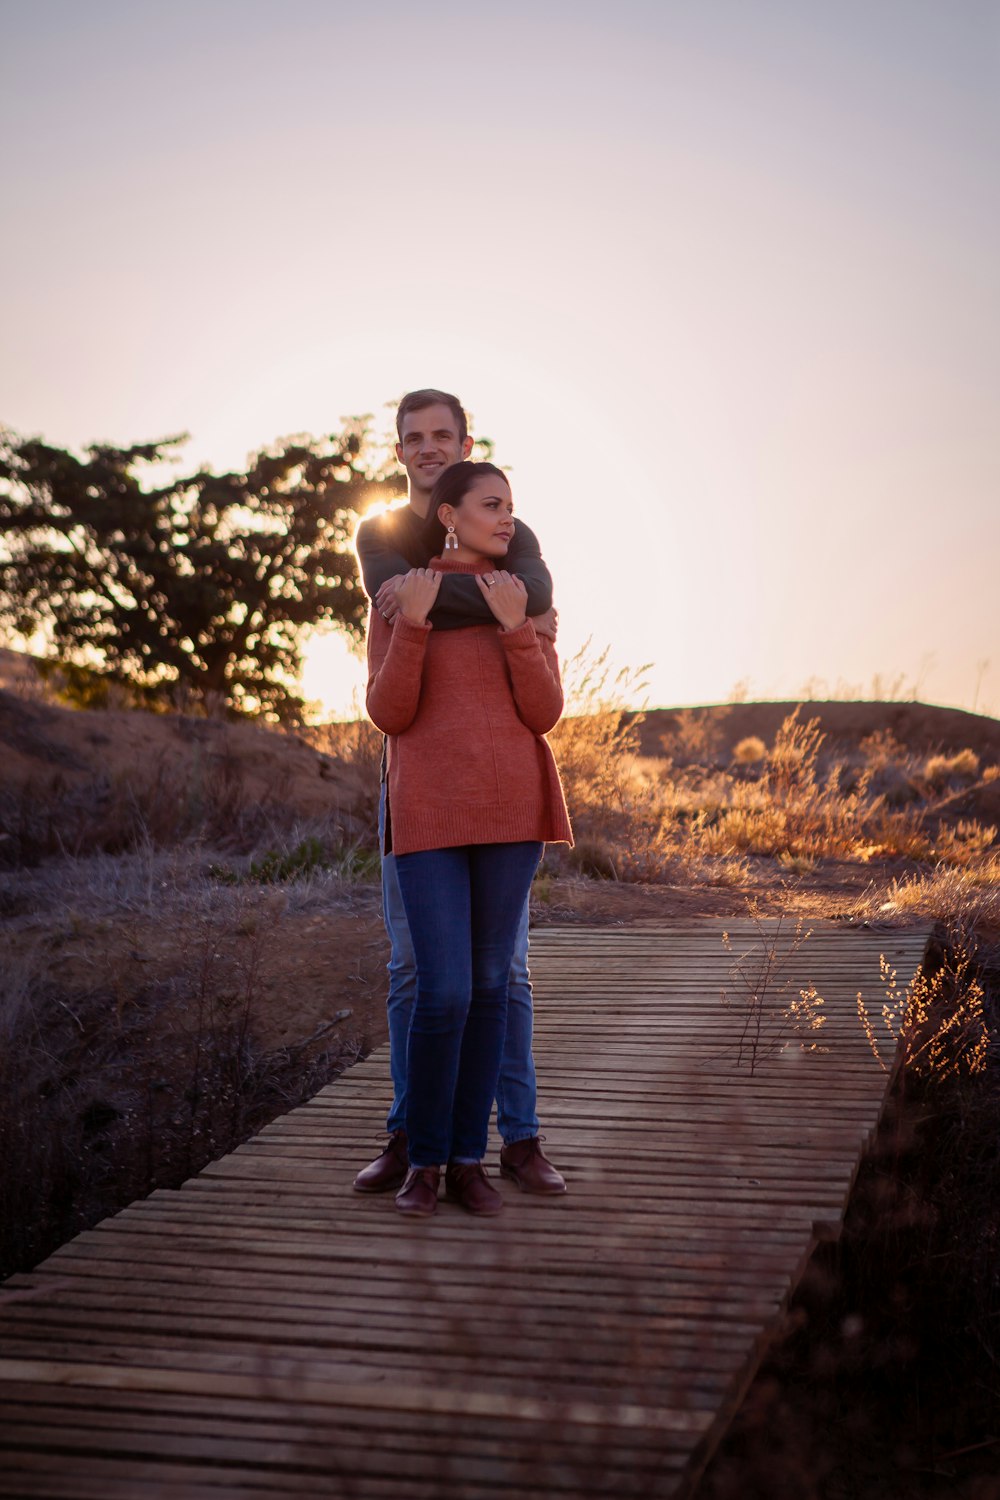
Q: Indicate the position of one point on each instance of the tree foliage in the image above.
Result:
(201, 583)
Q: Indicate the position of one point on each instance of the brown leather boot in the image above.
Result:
(419, 1193)
(467, 1184)
(526, 1164)
(386, 1171)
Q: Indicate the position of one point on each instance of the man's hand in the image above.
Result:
(416, 594)
(385, 600)
(547, 624)
(506, 596)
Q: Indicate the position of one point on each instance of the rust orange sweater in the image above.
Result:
(466, 712)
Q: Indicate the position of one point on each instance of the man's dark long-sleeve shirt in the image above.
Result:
(392, 543)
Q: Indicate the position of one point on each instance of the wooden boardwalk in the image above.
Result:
(266, 1332)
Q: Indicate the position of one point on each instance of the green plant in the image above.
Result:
(350, 861)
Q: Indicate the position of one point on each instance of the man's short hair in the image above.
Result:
(417, 400)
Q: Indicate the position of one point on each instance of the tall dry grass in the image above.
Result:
(694, 816)
(934, 1026)
(210, 803)
(135, 991)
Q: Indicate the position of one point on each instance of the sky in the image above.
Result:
(720, 279)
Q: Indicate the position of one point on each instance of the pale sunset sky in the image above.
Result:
(721, 279)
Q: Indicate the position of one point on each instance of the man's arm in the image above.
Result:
(377, 545)
(460, 600)
(524, 557)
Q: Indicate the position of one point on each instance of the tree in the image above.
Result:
(204, 582)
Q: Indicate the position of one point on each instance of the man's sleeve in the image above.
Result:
(525, 559)
(460, 602)
(378, 554)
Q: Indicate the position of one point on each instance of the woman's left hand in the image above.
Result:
(506, 596)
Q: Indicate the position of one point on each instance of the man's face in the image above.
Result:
(429, 442)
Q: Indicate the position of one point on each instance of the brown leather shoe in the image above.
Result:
(386, 1171)
(419, 1193)
(467, 1184)
(526, 1164)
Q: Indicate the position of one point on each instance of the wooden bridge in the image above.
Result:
(266, 1332)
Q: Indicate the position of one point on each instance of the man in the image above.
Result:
(433, 433)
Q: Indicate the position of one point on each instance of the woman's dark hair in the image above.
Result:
(451, 489)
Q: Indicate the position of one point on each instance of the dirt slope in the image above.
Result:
(920, 727)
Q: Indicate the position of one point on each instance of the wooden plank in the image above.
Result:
(594, 1344)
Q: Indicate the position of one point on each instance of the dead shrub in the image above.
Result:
(750, 751)
(883, 749)
(696, 738)
(896, 833)
(965, 842)
(940, 770)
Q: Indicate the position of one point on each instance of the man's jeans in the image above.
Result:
(517, 1119)
(463, 908)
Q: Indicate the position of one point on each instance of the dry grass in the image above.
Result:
(963, 766)
(966, 895)
(692, 818)
(162, 806)
(935, 1025)
(152, 1017)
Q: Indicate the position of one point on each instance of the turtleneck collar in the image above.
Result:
(445, 565)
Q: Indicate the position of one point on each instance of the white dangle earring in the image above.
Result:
(451, 540)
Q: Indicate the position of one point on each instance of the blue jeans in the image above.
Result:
(517, 1118)
(463, 907)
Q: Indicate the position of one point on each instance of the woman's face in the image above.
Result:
(484, 521)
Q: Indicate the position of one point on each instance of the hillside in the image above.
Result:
(42, 741)
(920, 728)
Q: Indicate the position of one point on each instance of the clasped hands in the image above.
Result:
(414, 594)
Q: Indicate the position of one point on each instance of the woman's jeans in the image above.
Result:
(517, 1094)
(463, 907)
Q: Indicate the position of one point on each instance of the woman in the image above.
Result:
(472, 796)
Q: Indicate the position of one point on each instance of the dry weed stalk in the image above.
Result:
(615, 806)
(936, 1023)
(769, 1013)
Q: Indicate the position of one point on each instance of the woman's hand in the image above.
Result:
(506, 596)
(416, 594)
